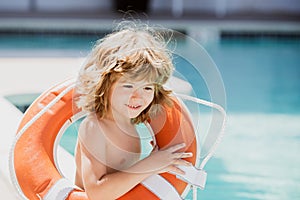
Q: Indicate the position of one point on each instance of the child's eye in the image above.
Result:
(148, 88)
(127, 86)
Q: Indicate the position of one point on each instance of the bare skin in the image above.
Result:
(108, 150)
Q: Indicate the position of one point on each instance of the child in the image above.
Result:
(120, 86)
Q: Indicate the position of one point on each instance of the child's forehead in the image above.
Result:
(132, 81)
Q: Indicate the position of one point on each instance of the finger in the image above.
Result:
(176, 147)
(182, 162)
(182, 155)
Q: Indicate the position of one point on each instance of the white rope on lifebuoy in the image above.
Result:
(222, 131)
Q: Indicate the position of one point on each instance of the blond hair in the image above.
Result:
(137, 52)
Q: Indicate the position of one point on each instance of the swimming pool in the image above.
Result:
(258, 158)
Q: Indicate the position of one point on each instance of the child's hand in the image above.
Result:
(167, 160)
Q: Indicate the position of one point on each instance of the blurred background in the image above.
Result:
(255, 45)
(193, 9)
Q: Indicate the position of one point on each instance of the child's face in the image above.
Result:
(130, 98)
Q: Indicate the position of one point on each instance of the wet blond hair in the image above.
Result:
(136, 52)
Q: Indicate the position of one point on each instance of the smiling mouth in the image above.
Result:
(133, 107)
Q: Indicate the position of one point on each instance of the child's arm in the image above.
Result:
(100, 185)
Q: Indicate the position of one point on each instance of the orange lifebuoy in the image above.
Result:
(33, 158)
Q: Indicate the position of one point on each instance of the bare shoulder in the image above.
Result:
(90, 123)
(91, 137)
(90, 128)
(91, 154)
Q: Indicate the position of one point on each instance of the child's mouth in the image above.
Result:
(134, 107)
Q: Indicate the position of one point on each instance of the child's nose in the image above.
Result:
(137, 93)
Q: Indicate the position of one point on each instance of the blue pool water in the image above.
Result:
(259, 155)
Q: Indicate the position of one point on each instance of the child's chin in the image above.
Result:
(134, 115)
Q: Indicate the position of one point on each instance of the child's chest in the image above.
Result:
(122, 150)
